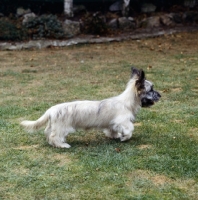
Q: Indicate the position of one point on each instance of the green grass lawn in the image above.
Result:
(159, 162)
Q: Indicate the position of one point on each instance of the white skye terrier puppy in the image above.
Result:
(114, 115)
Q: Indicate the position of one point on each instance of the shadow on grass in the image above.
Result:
(171, 156)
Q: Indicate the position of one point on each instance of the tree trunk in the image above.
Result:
(125, 8)
(68, 8)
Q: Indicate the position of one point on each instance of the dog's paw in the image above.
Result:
(125, 138)
(65, 145)
(117, 135)
(107, 133)
(62, 145)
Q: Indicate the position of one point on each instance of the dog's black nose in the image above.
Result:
(158, 94)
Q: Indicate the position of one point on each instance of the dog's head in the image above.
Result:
(144, 88)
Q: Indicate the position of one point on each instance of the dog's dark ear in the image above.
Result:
(134, 71)
(140, 73)
(141, 79)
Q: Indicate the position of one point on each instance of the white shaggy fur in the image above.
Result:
(113, 115)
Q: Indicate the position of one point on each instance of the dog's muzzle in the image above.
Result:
(149, 98)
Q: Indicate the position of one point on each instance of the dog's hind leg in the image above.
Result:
(48, 131)
(55, 140)
(58, 139)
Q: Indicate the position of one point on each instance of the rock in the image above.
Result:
(189, 3)
(150, 22)
(116, 6)
(33, 45)
(21, 11)
(27, 17)
(113, 24)
(1, 15)
(177, 18)
(148, 8)
(167, 20)
(39, 44)
(78, 8)
(126, 23)
(122, 23)
(131, 19)
(190, 16)
(71, 28)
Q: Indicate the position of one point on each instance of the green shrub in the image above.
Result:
(11, 30)
(44, 26)
(95, 24)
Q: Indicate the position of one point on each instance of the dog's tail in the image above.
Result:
(32, 126)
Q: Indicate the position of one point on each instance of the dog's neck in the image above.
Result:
(130, 97)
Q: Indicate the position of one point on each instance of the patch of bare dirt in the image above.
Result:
(144, 146)
(176, 89)
(138, 124)
(20, 170)
(156, 179)
(179, 121)
(194, 90)
(62, 158)
(162, 181)
(193, 133)
(26, 147)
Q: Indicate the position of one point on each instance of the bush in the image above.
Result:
(11, 30)
(94, 24)
(44, 26)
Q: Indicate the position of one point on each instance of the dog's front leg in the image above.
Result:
(127, 131)
(111, 134)
(124, 130)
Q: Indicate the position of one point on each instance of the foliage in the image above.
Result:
(94, 24)
(45, 26)
(11, 30)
